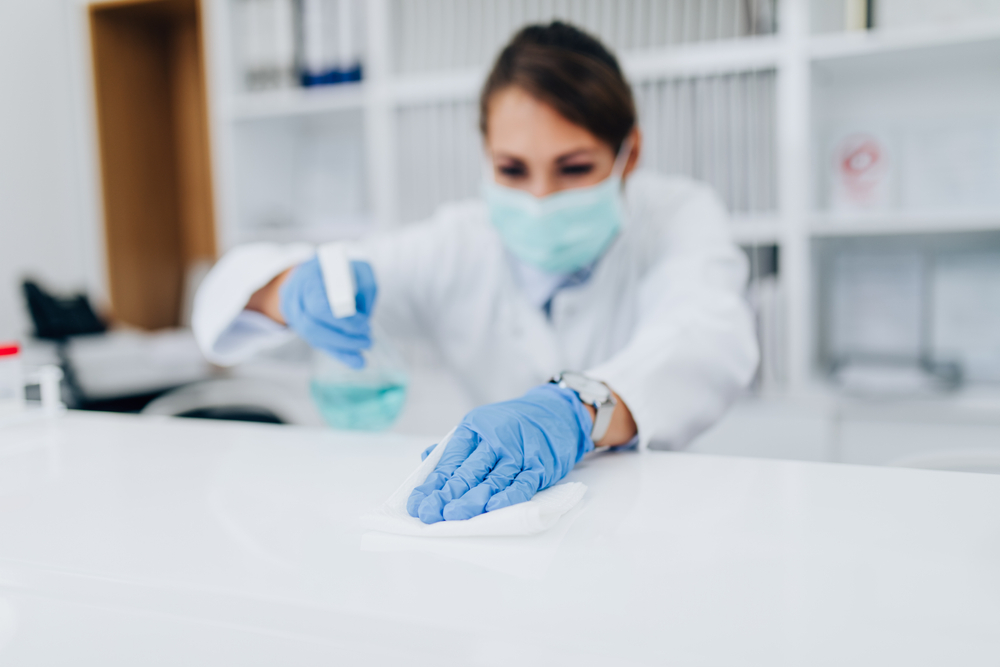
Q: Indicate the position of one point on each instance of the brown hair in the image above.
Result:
(570, 71)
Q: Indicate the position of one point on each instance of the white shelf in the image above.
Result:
(738, 55)
(742, 55)
(298, 101)
(347, 230)
(703, 58)
(748, 230)
(970, 403)
(863, 43)
(892, 223)
(444, 85)
(756, 229)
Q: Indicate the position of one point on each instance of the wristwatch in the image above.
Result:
(592, 392)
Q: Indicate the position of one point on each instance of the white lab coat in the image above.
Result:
(662, 319)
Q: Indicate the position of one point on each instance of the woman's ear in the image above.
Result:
(635, 137)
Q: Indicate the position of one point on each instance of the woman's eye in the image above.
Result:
(511, 170)
(577, 169)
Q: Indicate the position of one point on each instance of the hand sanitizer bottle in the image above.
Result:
(368, 398)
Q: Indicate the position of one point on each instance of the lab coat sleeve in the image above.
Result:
(225, 331)
(415, 270)
(694, 349)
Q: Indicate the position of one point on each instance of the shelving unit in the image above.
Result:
(415, 116)
(858, 43)
(930, 98)
(439, 91)
(882, 224)
(737, 55)
(298, 101)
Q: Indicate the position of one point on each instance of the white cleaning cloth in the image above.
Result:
(534, 516)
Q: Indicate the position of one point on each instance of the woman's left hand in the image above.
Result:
(504, 453)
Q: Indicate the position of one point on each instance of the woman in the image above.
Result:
(571, 261)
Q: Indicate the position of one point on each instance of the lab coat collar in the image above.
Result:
(539, 287)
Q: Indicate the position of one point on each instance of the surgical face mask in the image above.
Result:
(562, 232)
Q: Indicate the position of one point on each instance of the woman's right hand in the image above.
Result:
(303, 305)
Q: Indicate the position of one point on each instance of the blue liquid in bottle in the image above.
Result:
(359, 407)
(360, 399)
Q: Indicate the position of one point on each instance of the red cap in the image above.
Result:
(9, 349)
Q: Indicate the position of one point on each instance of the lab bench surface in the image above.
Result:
(135, 540)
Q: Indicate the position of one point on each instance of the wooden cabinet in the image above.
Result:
(149, 78)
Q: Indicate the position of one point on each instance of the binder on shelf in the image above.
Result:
(965, 326)
(288, 43)
(716, 128)
(329, 42)
(894, 14)
(265, 40)
(767, 297)
(951, 165)
(876, 306)
(435, 35)
(859, 14)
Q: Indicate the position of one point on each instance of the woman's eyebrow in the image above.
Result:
(586, 152)
(505, 156)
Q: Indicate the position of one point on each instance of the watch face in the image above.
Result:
(590, 390)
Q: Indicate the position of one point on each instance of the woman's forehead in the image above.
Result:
(520, 124)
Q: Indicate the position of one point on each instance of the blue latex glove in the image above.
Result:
(504, 453)
(306, 309)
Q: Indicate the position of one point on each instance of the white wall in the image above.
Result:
(46, 198)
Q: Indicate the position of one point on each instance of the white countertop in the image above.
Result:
(130, 540)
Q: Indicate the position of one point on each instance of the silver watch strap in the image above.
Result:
(603, 402)
(602, 419)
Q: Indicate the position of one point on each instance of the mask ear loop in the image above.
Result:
(624, 153)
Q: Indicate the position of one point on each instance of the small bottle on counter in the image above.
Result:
(11, 378)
